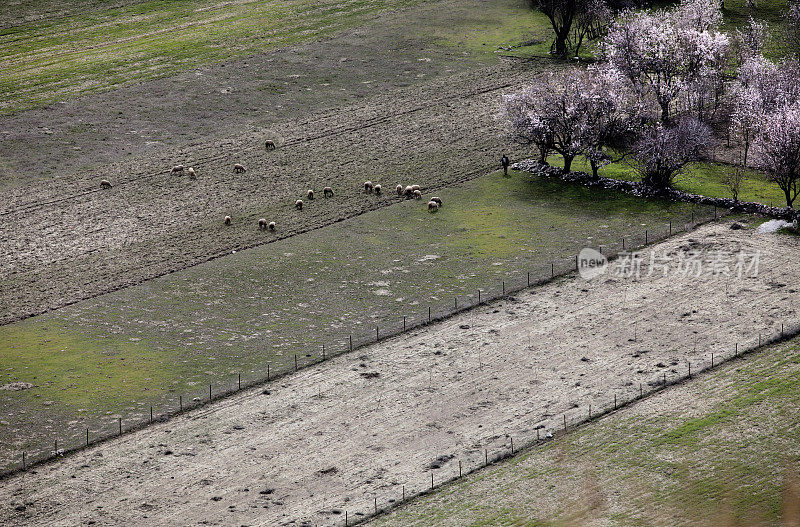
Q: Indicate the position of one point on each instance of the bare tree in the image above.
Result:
(733, 180)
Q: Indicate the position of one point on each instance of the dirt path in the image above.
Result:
(67, 240)
(330, 438)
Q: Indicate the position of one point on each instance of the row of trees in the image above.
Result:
(662, 79)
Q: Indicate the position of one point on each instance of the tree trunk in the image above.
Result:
(595, 169)
(568, 163)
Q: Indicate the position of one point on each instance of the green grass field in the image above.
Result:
(174, 335)
(718, 451)
(704, 178)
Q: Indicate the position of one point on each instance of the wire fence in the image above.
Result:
(77, 439)
(375, 505)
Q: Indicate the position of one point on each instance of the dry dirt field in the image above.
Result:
(68, 240)
(361, 426)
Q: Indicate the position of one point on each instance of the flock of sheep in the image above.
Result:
(410, 191)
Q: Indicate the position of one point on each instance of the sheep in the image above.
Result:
(192, 173)
(298, 204)
(368, 187)
(327, 192)
(415, 187)
(417, 194)
(177, 169)
(227, 220)
(408, 191)
(399, 189)
(262, 224)
(272, 225)
(310, 194)
(269, 144)
(433, 206)
(438, 200)
(238, 169)
(378, 189)
(104, 183)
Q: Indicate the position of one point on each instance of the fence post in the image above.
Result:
(640, 391)
(455, 302)
(431, 480)
(529, 278)
(345, 519)
(24, 467)
(512, 446)
(552, 270)
(323, 352)
(295, 362)
(209, 392)
(486, 456)
(429, 314)
(151, 415)
(665, 379)
(670, 228)
(504, 287)
(55, 447)
(376, 506)
(565, 421)
(120, 425)
(690, 370)
(404, 493)
(645, 236)
(759, 340)
(240, 381)
(623, 243)
(377, 333)
(459, 468)
(712, 360)
(180, 402)
(590, 411)
(351, 342)
(479, 296)
(615, 401)
(736, 350)
(404, 323)
(576, 262)
(268, 371)
(87, 437)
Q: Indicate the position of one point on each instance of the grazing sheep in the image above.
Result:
(378, 189)
(272, 225)
(415, 187)
(177, 169)
(433, 206)
(399, 190)
(105, 183)
(368, 187)
(192, 173)
(298, 204)
(327, 192)
(408, 191)
(269, 144)
(227, 220)
(238, 169)
(310, 194)
(437, 199)
(262, 224)
(417, 194)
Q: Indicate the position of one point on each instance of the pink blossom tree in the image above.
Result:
(778, 146)
(670, 55)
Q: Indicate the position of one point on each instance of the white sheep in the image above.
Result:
(310, 194)
(262, 224)
(415, 187)
(272, 225)
(368, 187)
(378, 189)
(437, 199)
(105, 183)
(408, 191)
(399, 189)
(298, 204)
(192, 173)
(269, 144)
(177, 169)
(433, 206)
(327, 192)
(417, 194)
(227, 220)
(238, 168)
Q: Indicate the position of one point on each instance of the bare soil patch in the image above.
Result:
(329, 438)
